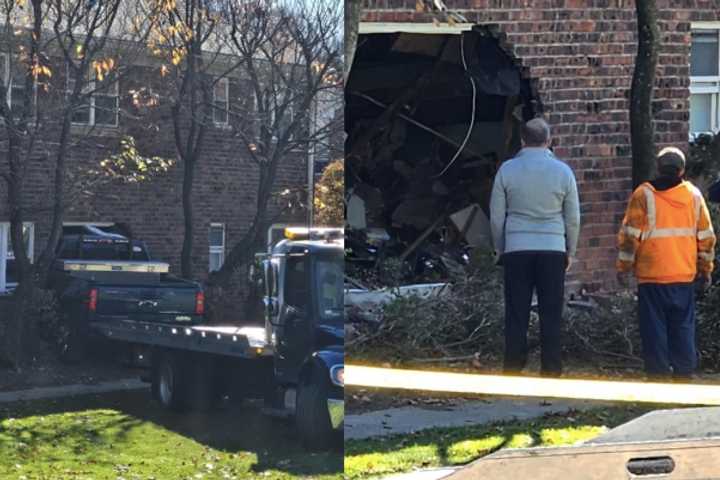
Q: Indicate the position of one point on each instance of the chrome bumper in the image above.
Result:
(336, 408)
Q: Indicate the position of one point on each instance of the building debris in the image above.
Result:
(367, 305)
(418, 168)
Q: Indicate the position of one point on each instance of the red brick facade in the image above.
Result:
(580, 57)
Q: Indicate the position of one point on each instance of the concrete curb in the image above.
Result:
(44, 393)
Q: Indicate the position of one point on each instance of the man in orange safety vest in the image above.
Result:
(667, 240)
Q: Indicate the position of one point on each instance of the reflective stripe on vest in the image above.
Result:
(705, 234)
(671, 232)
(651, 215)
(632, 231)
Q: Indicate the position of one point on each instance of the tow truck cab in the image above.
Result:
(303, 277)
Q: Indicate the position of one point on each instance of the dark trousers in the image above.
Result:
(667, 328)
(525, 272)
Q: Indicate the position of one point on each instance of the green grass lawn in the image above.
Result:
(456, 446)
(127, 437)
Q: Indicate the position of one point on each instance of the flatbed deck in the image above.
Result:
(243, 342)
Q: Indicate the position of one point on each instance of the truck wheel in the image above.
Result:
(312, 416)
(168, 383)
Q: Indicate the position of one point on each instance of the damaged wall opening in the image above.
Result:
(429, 117)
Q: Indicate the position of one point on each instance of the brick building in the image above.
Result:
(576, 58)
(225, 184)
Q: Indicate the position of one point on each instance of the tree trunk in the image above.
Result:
(642, 131)
(353, 10)
(16, 327)
(186, 255)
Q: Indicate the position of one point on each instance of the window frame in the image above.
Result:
(6, 286)
(289, 110)
(215, 249)
(92, 92)
(226, 82)
(706, 84)
(5, 59)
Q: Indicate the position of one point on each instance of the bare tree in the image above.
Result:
(642, 131)
(290, 56)
(189, 39)
(58, 55)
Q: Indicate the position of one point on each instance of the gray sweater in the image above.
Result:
(534, 204)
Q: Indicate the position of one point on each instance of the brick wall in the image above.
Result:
(580, 56)
(224, 189)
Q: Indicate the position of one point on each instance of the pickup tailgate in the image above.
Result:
(161, 303)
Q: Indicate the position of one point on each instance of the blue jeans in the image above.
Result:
(667, 328)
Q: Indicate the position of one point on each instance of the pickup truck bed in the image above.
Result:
(242, 342)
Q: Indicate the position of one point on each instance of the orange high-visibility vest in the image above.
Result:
(667, 235)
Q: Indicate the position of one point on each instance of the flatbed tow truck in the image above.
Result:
(295, 362)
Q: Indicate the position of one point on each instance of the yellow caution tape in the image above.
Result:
(498, 385)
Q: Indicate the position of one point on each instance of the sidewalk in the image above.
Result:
(44, 393)
(406, 420)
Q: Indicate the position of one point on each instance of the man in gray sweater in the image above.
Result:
(535, 219)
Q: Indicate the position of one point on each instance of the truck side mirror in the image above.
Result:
(293, 315)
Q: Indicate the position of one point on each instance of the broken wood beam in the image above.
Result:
(418, 241)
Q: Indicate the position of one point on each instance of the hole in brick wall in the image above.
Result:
(412, 169)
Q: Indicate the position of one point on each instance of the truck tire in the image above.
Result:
(312, 417)
(169, 382)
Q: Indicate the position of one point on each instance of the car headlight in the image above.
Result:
(337, 375)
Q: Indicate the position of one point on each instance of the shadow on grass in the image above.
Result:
(461, 445)
(236, 429)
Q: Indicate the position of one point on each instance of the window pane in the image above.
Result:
(220, 113)
(704, 54)
(220, 91)
(81, 114)
(27, 232)
(16, 98)
(106, 110)
(217, 236)
(215, 261)
(700, 113)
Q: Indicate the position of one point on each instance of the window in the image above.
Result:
(704, 79)
(8, 270)
(284, 123)
(296, 291)
(221, 103)
(217, 246)
(13, 76)
(99, 102)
